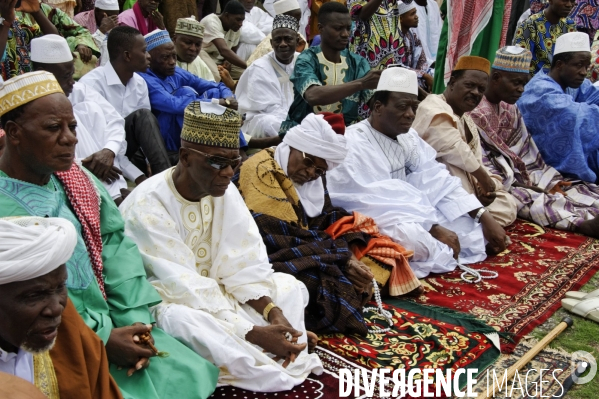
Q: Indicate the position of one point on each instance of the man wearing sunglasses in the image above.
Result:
(205, 256)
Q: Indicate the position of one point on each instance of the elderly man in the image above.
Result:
(106, 280)
(189, 35)
(264, 91)
(205, 256)
(281, 7)
(442, 121)
(143, 16)
(221, 37)
(539, 32)
(171, 88)
(392, 175)
(541, 192)
(43, 340)
(561, 110)
(309, 238)
(120, 84)
(99, 22)
(100, 129)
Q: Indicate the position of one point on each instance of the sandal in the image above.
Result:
(579, 295)
(588, 308)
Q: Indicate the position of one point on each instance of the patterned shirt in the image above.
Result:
(539, 36)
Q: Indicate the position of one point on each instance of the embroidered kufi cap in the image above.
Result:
(25, 88)
(398, 79)
(513, 59)
(107, 5)
(211, 124)
(285, 21)
(403, 8)
(283, 6)
(473, 63)
(571, 43)
(157, 38)
(190, 27)
(50, 49)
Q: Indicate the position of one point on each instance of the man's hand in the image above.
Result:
(29, 6)
(158, 19)
(560, 187)
(232, 102)
(485, 199)
(486, 182)
(272, 339)
(140, 179)
(276, 317)
(84, 52)
(101, 164)
(371, 80)
(447, 237)
(429, 80)
(7, 10)
(493, 233)
(108, 22)
(358, 274)
(123, 349)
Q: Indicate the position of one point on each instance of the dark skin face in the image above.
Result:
(148, 6)
(572, 73)
(283, 43)
(164, 59)
(187, 47)
(41, 141)
(395, 117)
(409, 19)
(138, 59)
(335, 31)
(99, 14)
(561, 8)
(194, 178)
(31, 310)
(464, 93)
(63, 73)
(232, 21)
(248, 4)
(301, 171)
(506, 86)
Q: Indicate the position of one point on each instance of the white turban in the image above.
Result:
(32, 247)
(316, 137)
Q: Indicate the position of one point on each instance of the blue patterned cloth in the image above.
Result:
(564, 125)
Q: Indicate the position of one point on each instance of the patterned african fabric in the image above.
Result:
(593, 74)
(510, 152)
(313, 69)
(128, 293)
(586, 17)
(564, 125)
(44, 376)
(67, 6)
(538, 35)
(298, 245)
(16, 59)
(413, 56)
(206, 259)
(378, 40)
(172, 10)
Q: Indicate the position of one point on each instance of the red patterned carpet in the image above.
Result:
(534, 274)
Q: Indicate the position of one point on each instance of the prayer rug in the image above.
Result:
(535, 272)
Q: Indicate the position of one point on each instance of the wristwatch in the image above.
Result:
(4, 22)
(227, 101)
(479, 214)
(267, 310)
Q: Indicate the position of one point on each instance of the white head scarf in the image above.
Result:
(316, 137)
(31, 247)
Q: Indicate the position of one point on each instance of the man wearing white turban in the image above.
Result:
(322, 246)
(37, 315)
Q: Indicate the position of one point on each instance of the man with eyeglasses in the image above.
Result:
(205, 256)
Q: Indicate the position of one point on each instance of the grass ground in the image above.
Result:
(583, 335)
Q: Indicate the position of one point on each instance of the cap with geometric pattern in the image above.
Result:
(211, 124)
(285, 21)
(157, 38)
(513, 59)
(23, 89)
(189, 26)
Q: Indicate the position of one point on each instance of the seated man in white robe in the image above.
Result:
(101, 143)
(256, 26)
(391, 175)
(264, 91)
(205, 256)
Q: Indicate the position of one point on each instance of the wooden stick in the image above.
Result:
(528, 356)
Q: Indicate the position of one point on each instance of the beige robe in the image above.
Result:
(437, 124)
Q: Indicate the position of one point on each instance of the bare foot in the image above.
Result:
(589, 228)
(312, 340)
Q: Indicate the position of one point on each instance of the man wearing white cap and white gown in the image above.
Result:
(391, 174)
(281, 7)
(264, 91)
(561, 110)
(100, 129)
(99, 22)
(43, 340)
(256, 25)
(274, 9)
(204, 255)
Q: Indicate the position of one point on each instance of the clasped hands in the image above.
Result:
(125, 349)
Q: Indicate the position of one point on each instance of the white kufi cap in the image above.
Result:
(32, 247)
(403, 8)
(283, 6)
(572, 42)
(50, 49)
(398, 79)
(107, 5)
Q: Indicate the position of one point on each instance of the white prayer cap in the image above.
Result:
(315, 136)
(32, 246)
(107, 5)
(398, 79)
(50, 49)
(403, 8)
(572, 42)
(283, 6)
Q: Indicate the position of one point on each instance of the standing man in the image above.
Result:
(412, 54)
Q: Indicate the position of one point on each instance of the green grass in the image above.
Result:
(583, 335)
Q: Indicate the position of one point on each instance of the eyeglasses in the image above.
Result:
(310, 164)
(219, 163)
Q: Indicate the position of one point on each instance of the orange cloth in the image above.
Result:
(80, 360)
(473, 62)
(380, 248)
